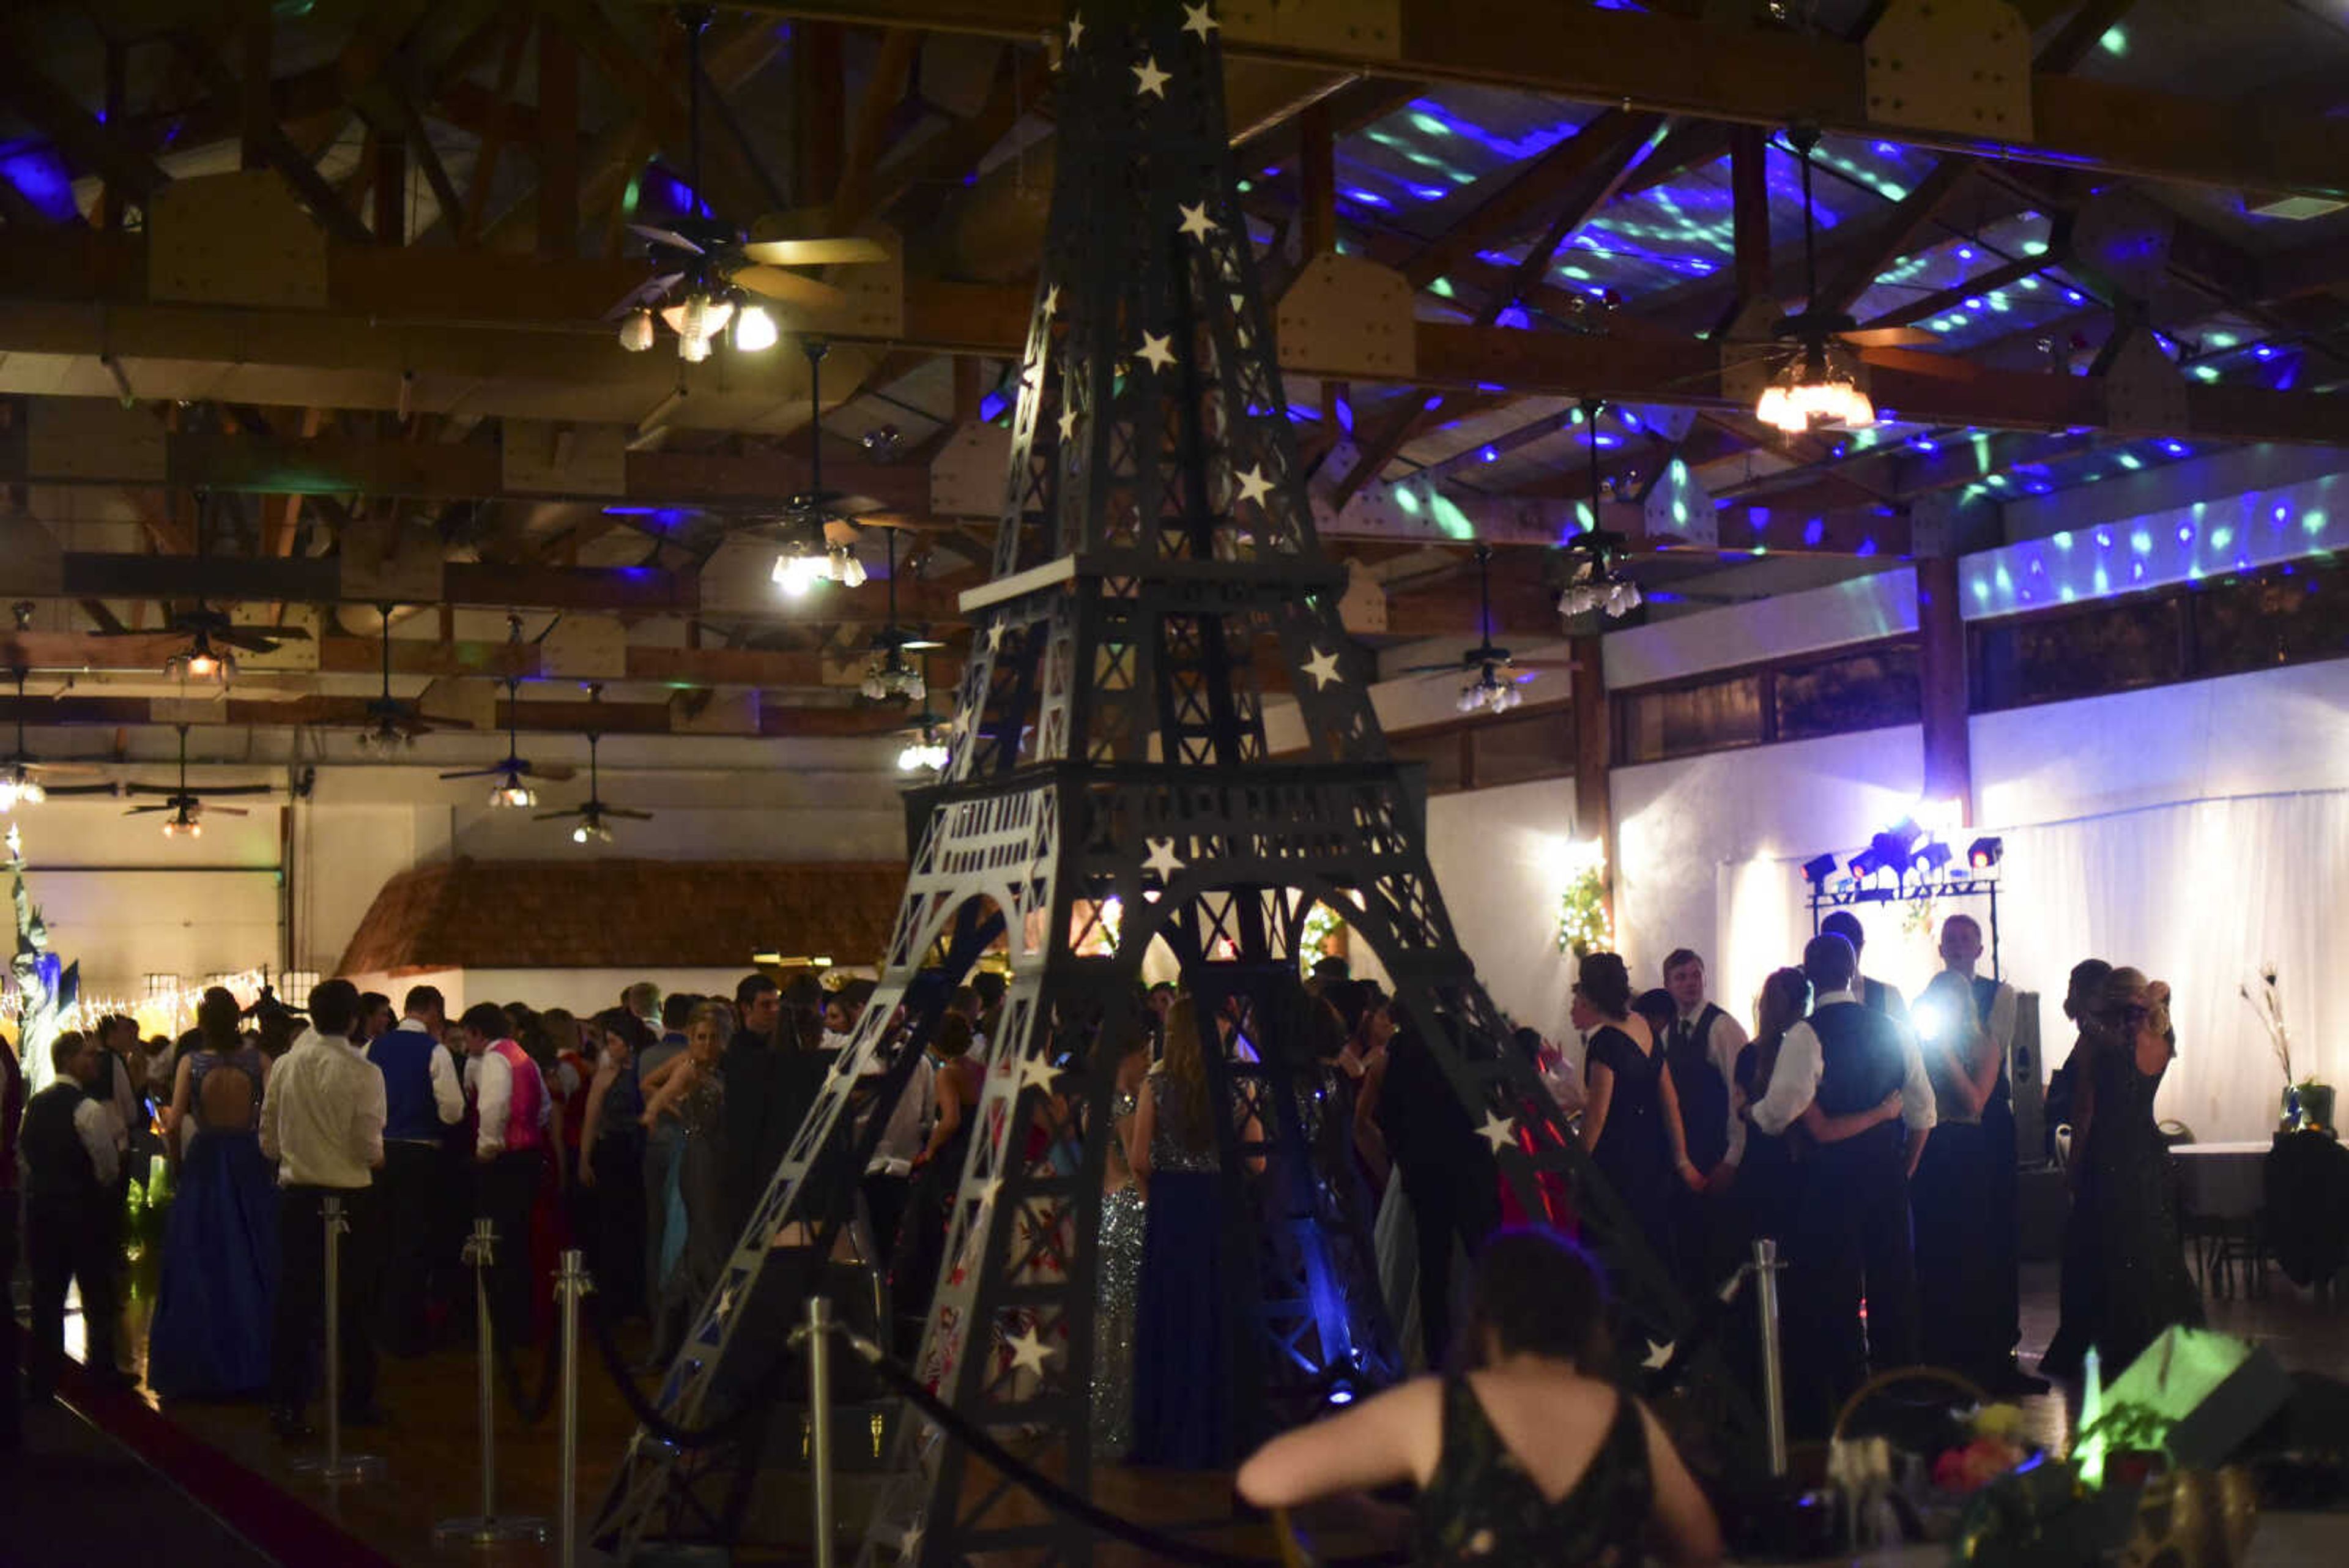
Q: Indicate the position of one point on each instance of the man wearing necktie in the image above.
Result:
(1700, 1051)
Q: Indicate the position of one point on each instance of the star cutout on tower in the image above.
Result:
(1076, 29)
(1499, 1131)
(1195, 19)
(1659, 1355)
(1036, 1073)
(1068, 424)
(991, 1192)
(1052, 301)
(1196, 222)
(1149, 81)
(1323, 668)
(1254, 485)
(1163, 858)
(1157, 349)
(994, 637)
(909, 1545)
(1028, 1350)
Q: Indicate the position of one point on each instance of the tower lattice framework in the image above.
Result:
(1109, 784)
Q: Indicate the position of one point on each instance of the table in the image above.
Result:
(2281, 1540)
(2222, 1180)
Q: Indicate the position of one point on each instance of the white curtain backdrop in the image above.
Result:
(2201, 894)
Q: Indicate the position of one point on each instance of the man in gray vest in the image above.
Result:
(1851, 1239)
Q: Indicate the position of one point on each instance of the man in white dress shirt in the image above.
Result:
(1851, 1237)
(322, 1120)
(1996, 1005)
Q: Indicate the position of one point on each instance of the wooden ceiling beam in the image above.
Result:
(1728, 69)
(776, 720)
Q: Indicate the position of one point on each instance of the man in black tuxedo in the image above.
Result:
(1852, 1236)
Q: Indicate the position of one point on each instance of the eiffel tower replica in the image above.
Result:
(1109, 786)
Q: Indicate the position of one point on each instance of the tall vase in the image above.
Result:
(2316, 1106)
(2290, 1120)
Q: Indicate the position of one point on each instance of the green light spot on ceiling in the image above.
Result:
(1430, 124)
(2221, 537)
(2221, 340)
(2311, 522)
(1408, 500)
(2141, 541)
(1680, 510)
(1574, 272)
(1893, 192)
(2064, 540)
(2206, 372)
(1384, 138)
(2114, 41)
(2103, 581)
(1450, 518)
(2131, 460)
(1245, 187)
(2034, 248)
(1441, 288)
(2066, 594)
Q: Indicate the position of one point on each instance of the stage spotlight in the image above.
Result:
(1815, 872)
(1935, 859)
(1929, 1019)
(1986, 853)
(1866, 864)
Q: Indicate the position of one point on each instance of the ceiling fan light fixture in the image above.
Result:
(386, 739)
(798, 569)
(179, 827)
(924, 753)
(754, 330)
(512, 794)
(636, 330)
(887, 677)
(841, 566)
(20, 789)
(591, 830)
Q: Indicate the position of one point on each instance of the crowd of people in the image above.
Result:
(615, 1135)
(1882, 1155)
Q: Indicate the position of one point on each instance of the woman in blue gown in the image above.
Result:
(219, 1292)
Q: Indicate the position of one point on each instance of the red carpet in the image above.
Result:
(278, 1523)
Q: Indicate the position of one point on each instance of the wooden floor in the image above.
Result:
(430, 1450)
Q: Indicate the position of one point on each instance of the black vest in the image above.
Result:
(1703, 1095)
(58, 1172)
(1861, 1062)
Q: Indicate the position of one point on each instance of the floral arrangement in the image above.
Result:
(1323, 926)
(1993, 1447)
(1583, 924)
(2268, 1004)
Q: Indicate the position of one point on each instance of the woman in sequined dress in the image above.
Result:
(1118, 1278)
(698, 1238)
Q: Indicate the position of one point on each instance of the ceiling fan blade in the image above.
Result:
(151, 789)
(476, 773)
(668, 237)
(63, 769)
(631, 816)
(553, 772)
(238, 789)
(1455, 667)
(105, 789)
(789, 288)
(1887, 337)
(226, 811)
(143, 810)
(848, 252)
(555, 815)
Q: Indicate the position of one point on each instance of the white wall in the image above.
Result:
(1499, 858)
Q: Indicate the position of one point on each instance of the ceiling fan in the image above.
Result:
(213, 639)
(1593, 581)
(391, 725)
(23, 780)
(593, 816)
(1495, 675)
(186, 807)
(1816, 377)
(703, 268)
(513, 789)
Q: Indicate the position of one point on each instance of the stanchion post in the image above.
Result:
(1774, 1381)
(486, 1529)
(336, 1467)
(570, 1287)
(815, 1333)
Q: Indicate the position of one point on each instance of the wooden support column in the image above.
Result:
(1594, 728)
(257, 113)
(1316, 176)
(1749, 188)
(390, 188)
(819, 93)
(558, 143)
(1943, 689)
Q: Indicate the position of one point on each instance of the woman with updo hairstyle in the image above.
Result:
(1631, 1113)
(1765, 1177)
(2067, 1101)
(1528, 1454)
(2136, 1282)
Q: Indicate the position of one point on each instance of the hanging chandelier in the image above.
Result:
(1595, 584)
(1489, 693)
(889, 677)
(201, 662)
(1816, 384)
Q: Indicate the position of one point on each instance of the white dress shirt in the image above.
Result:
(1722, 1044)
(99, 1128)
(448, 1094)
(901, 1135)
(1794, 1082)
(322, 1115)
